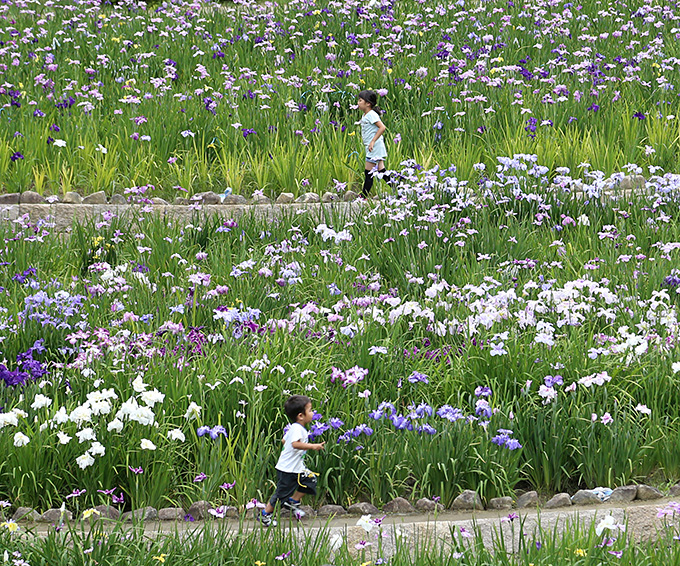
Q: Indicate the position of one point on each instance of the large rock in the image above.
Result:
(71, 197)
(585, 497)
(329, 197)
(330, 510)
(25, 514)
(208, 197)
(54, 516)
(528, 499)
(425, 505)
(467, 501)
(11, 198)
(559, 500)
(399, 505)
(308, 510)
(181, 201)
(632, 182)
(362, 508)
(144, 514)
(95, 198)
(31, 197)
(108, 512)
(308, 198)
(285, 198)
(261, 199)
(171, 514)
(199, 510)
(350, 196)
(623, 494)
(118, 199)
(500, 503)
(158, 201)
(675, 490)
(234, 199)
(648, 493)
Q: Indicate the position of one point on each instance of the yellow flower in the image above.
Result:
(259, 563)
(89, 512)
(389, 71)
(11, 526)
(366, 563)
(352, 134)
(160, 558)
(116, 39)
(579, 552)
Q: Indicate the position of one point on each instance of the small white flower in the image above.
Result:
(676, 367)
(146, 444)
(583, 220)
(40, 402)
(20, 439)
(84, 461)
(150, 398)
(63, 438)
(101, 148)
(59, 143)
(85, 435)
(97, 449)
(644, 409)
(193, 412)
(61, 416)
(366, 523)
(138, 384)
(608, 523)
(115, 424)
(176, 434)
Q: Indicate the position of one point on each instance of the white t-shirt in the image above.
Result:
(368, 130)
(292, 460)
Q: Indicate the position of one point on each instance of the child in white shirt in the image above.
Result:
(372, 130)
(293, 477)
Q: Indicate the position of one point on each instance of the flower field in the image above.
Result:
(524, 337)
(495, 322)
(180, 97)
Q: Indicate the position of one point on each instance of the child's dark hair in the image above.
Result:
(371, 97)
(295, 405)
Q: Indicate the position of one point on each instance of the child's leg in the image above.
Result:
(368, 178)
(269, 508)
(297, 496)
(383, 171)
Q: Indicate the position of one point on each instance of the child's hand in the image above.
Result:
(320, 446)
(370, 146)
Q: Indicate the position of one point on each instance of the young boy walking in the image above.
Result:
(293, 477)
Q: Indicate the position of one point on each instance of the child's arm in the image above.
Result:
(299, 445)
(381, 130)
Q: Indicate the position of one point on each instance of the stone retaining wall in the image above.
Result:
(65, 215)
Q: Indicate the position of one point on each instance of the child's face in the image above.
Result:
(363, 105)
(307, 416)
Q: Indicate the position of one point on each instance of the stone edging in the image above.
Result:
(63, 216)
(642, 521)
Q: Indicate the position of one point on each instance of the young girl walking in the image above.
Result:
(372, 130)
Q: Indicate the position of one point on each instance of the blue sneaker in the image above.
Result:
(266, 519)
